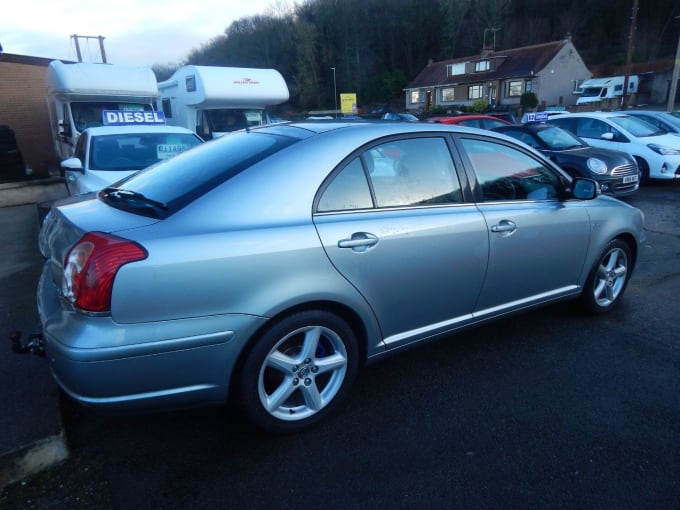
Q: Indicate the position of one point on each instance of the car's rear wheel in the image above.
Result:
(298, 371)
(609, 277)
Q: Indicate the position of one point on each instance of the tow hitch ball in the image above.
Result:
(35, 344)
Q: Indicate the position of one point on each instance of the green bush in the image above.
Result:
(529, 100)
(480, 106)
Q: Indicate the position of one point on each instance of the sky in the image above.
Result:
(136, 32)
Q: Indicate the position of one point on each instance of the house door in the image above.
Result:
(492, 95)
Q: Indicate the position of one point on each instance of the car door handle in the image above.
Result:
(504, 226)
(359, 241)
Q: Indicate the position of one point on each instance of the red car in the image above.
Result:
(477, 121)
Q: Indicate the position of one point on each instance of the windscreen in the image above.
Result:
(185, 177)
(89, 114)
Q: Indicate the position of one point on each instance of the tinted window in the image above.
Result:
(505, 173)
(179, 180)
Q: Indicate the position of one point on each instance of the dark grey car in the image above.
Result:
(271, 264)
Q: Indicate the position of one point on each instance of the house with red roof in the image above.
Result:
(553, 71)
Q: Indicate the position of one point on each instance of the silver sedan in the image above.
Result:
(271, 264)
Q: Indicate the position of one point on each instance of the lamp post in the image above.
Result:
(674, 79)
(335, 93)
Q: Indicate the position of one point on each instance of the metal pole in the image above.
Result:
(674, 80)
(335, 93)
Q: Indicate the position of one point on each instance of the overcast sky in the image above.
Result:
(136, 32)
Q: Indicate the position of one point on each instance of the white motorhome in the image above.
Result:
(79, 93)
(597, 89)
(212, 101)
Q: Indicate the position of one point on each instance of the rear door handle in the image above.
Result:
(360, 241)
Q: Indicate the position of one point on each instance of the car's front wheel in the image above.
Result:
(608, 278)
(298, 371)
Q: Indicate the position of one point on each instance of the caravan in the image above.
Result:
(597, 89)
(212, 101)
(79, 93)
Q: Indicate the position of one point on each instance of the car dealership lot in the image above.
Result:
(550, 409)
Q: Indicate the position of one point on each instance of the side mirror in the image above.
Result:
(584, 189)
(607, 136)
(73, 164)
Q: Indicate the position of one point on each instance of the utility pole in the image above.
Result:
(629, 55)
(76, 40)
(674, 80)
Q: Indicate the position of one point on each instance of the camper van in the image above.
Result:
(79, 93)
(212, 101)
(597, 89)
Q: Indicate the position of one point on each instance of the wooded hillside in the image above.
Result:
(378, 46)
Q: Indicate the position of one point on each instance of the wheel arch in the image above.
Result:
(344, 312)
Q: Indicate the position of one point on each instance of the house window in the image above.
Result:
(448, 94)
(515, 88)
(577, 87)
(417, 97)
(454, 69)
(528, 86)
(475, 91)
(482, 66)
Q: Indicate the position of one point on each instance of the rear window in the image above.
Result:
(178, 181)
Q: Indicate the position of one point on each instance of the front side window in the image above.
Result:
(507, 174)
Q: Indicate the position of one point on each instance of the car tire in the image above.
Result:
(644, 170)
(608, 279)
(298, 371)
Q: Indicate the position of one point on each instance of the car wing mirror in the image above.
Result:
(607, 136)
(584, 189)
(73, 164)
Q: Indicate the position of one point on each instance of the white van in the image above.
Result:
(212, 101)
(598, 89)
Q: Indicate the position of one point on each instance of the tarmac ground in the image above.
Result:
(32, 434)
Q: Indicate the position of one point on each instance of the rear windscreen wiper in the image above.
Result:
(131, 197)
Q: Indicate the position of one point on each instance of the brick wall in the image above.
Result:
(24, 109)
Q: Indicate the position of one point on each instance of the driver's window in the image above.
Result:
(506, 174)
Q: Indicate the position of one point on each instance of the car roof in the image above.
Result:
(117, 130)
(455, 118)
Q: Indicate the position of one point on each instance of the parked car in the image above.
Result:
(404, 117)
(670, 121)
(506, 116)
(106, 154)
(269, 265)
(615, 171)
(477, 121)
(656, 152)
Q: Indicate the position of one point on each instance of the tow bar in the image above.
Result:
(35, 344)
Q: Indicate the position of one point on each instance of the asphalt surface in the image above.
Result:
(550, 409)
(31, 435)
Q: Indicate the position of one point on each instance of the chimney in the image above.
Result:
(567, 38)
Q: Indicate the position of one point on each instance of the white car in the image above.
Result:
(656, 151)
(106, 154)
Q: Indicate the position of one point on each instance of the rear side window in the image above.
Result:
(399, 173)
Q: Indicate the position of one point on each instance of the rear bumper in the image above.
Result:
(138, 367)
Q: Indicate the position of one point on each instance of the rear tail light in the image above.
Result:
(91, 266)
